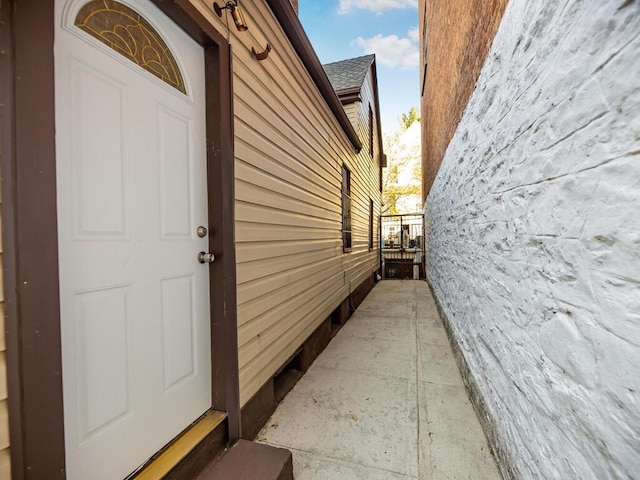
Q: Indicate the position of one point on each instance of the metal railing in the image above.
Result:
(402, 238)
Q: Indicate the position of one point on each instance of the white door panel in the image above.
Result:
(131, 169)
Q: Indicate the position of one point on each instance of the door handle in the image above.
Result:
(204, 257)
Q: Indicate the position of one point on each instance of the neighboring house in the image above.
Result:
(139, 141)
(402, 180)
(355, 80)
(532, 186)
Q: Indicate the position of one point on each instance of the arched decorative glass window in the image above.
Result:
(128, 33)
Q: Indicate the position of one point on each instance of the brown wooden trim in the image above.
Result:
(361, 291)
(348, 99)
(349, 95)
(8, 240)
(187, 17)
(374, 76)
(290, 23)
(220, 153)
(31, 251)
(258, 409)
(348, 91)
(314, 345)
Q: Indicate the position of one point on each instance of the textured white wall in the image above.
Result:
(534, 233)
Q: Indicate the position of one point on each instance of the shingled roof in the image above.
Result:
(348, 74)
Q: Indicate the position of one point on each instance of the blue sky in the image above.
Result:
(340, 29)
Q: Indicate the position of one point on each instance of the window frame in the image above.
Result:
(370, 224)
(347, 227)
(370, 131)
(424, 50)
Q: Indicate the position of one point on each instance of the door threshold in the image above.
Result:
(161, 464)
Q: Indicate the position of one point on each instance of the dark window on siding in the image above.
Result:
(370, 224)
(424, 50)
(346, 209)
(370, 132)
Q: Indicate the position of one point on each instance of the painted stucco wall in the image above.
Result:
(534, 231)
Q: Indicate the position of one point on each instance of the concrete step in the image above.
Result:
(250, 461)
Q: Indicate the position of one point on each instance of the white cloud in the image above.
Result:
(391, 50)
(414, 35)
(377, 6)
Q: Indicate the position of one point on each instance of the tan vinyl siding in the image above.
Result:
(5, 460)
(365, 186)
(352, 110)
(291, 272)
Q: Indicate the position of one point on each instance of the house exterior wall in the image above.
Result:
(458, 36)
(291, 272)
(534, 231)
(365, 169)
(403, 179)
(353, 113)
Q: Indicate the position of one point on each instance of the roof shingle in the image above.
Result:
(348, 73)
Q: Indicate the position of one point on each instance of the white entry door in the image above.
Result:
(131, 182)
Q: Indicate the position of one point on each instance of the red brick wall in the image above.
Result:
(459, 34)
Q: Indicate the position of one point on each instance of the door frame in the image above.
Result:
(30, 233)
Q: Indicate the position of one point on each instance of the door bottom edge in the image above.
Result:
(170, 457)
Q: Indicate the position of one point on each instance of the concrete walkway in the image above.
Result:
(385, 400)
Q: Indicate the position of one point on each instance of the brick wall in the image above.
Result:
(534, 230)
(459, 34)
